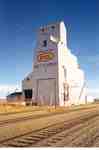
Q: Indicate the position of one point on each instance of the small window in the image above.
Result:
(65, 72)
(27, 78)
(44, 43)
(42, 29)
(53, 27)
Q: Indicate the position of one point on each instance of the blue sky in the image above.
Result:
(19, 20)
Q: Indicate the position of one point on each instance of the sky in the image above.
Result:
(19, 21)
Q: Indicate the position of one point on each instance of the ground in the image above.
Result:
(76, 126)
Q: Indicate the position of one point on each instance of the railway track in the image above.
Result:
(36, 138)
(76, 136)
(31, 117)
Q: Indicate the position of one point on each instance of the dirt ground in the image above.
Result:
(17, 122)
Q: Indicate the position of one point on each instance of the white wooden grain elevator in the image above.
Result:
(56, 78)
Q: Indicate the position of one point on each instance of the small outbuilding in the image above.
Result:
(15, 98)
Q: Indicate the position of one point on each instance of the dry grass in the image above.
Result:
(7, 108)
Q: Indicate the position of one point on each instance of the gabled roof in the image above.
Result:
(14, 94)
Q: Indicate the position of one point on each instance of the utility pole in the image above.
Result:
(82, 90)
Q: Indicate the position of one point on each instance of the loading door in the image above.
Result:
(47, 92)
(28, 93)
(28, 96)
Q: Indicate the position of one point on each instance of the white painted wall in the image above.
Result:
(89, 99)
(74, 75)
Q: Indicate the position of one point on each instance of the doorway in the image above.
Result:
(46, 92)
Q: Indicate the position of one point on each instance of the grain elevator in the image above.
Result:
(56, 78)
